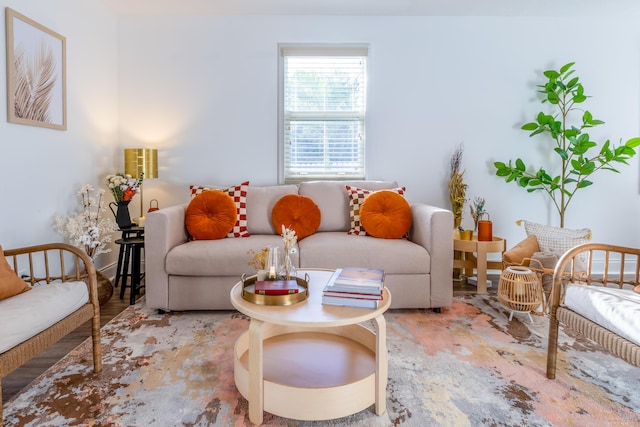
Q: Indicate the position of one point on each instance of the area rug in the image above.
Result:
(466, 366)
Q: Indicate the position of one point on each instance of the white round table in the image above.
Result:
(310, 361)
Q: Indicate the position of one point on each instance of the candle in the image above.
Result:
(141, 221)
(485, 233)
(272, 272)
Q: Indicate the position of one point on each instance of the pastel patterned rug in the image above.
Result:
(467, 366)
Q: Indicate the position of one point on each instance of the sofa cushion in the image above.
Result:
(225, 257)
(30, 313)
(210, 215)
(331, 198)
(386, 214)
(357, 196)
(260, 203)
(10, 283)
(239, 195)
(298, 213)
(339, 249)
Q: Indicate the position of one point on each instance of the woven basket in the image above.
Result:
(519, 289)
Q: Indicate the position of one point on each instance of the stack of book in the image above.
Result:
(354, 287)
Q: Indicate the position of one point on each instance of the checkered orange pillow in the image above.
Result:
(211, 215)
(239, 195)
(356, 198)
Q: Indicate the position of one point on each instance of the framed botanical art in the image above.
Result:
(36, 73)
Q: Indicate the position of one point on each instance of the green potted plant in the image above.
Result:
(579, 156)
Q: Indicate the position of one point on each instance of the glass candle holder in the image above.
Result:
(273, 266)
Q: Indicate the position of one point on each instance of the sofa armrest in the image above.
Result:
(164, 230)
(432, 229)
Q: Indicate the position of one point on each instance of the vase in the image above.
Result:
(105, 287)
(289, 270)
(123, 219)
(457, 220)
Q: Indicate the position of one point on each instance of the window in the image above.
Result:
(322, 113)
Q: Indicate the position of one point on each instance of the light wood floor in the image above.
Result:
(13, 383)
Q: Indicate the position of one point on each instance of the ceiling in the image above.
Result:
(378, 7)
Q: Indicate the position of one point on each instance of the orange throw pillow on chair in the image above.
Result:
(386, 214)
(10, 283)
(210, 215)
(297, 213)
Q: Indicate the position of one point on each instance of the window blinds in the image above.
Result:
(324, 107)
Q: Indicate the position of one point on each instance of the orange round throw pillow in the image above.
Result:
(210, 215)
(385, 214)
(298, 213)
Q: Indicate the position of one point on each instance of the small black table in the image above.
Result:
(130, 260)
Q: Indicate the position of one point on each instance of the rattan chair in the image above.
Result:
(58, 262)
(621, 269)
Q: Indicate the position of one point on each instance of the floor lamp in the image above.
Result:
(141, 161)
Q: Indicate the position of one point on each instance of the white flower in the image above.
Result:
(88, 229)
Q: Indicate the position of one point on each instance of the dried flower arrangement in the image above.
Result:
(259, 260)
(289, 239)
(457, 187)
(477, 210)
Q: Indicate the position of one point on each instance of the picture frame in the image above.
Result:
(36, 73)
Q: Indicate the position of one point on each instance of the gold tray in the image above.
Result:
(249, 295)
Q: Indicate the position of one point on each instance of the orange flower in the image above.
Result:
(128, 194)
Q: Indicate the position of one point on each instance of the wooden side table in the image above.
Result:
(469, 262)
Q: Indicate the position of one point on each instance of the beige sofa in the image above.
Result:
(199, 274)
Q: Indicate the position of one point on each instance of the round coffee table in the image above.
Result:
(310, 361)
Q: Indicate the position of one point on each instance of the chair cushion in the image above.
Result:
(298, 213)
(386, 214)
(210, 215)
(617, 310)
(559, 240)
(10, 283)
(524, 249)
(25, 315)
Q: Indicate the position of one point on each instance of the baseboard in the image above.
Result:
(110, 270)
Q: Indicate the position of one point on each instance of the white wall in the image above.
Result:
(42, 169)
(203, 91)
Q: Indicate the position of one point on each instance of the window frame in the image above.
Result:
(307, 49)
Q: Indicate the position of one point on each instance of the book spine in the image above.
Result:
(350, 302)
(352, 295)
(276, 291)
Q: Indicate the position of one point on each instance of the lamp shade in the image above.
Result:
(141, 160)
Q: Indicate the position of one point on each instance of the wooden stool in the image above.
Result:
(129, 261)
(127, 233)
